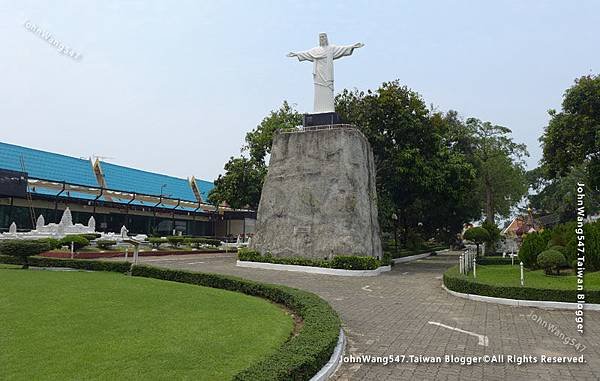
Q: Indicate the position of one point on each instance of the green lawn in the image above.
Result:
(89, 325)
(507, 275)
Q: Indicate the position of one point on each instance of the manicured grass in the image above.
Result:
(96, 325)
(507, 275)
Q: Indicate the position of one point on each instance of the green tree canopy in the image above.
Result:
(572, 137)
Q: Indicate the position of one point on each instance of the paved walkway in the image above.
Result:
(391, 314)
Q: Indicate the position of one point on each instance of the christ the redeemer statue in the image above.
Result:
(322, 57)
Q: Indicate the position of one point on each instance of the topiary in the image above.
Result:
(156, 241)
(51, 242)
(24, 249)
(175, 240)
(491, 243)
(551, 260)
(79, 242)
(477, 235)
(533, 244)
(105, 243)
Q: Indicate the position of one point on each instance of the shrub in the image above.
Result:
(175, 240)
(156, 241)
(338, 262)
(83, 264)
(492, 242)
(105, 243)
(197, 242)
(352, 262)
(558, 248)
(79, 241)
(455, 281)
(533, 245)
(592, 245)
(91, 236)
(477, 235)
(551, 260)
(23, 249)
(51, 242)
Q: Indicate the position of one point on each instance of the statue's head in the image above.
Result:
(323, 39)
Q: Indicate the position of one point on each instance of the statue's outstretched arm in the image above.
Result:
(302, 56)
(345, 50)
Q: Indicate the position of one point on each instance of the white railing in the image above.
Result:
(318, 128)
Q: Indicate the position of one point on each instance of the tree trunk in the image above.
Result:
(489, 203)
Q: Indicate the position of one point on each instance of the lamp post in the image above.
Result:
(522, 278)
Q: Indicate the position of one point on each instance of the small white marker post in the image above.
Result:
(126, 252)
(72, 250)
(504, 254)
(512, 259)
(474, 268)
(522, 278)
(460, 264)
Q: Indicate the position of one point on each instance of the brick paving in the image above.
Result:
(390, 314)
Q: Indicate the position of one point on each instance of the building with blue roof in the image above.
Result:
(34, 182)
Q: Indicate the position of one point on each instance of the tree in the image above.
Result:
(23, 249)
(241, 185)
(422, 178)
(477, 235)
(260, 140)
(500, 168)
(572, 137)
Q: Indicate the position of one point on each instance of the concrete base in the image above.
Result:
(319, 198)
(311, 269)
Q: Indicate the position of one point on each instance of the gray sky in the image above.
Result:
(174, 86)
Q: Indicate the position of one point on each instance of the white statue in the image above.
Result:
(92, 223)
(322, 58)
(40, 222)
(66, 219)
(12, 229)
(124, 231)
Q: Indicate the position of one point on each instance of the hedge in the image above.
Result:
(82, 264)
(455, 281)
(496, 260)
(301, 357)
(345, 262)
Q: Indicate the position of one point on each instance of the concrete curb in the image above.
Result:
(524, 303)
(334, 361)
(411, 258)
(311, 269)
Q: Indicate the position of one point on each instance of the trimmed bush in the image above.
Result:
(352, 262)
(477, 235)
(175, 240)
(533, 245)
(592, 245)
(105, 244)
(197, 242)
(551, 260)
(21, 250)
(494, 261)
(156, 241)
(79, 242)
(51, 242)
(82, 264)
(344, 262)
(455, 281)
(91, 236)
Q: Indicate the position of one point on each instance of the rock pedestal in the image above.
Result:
(319, 198)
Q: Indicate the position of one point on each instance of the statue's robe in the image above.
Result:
(322, 58)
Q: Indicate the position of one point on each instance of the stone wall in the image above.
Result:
(319, 197)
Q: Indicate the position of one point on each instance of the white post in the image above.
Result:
(504, 254)
(474, 268)
(72, 250)
(126, 252)
(135, 254)
(460, 264)
(512, 259)
(522, 279)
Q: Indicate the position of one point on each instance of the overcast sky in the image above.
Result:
(173, 86)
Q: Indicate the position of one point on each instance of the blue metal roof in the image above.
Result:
(47, 165)
(135, 180)
(205, 188)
